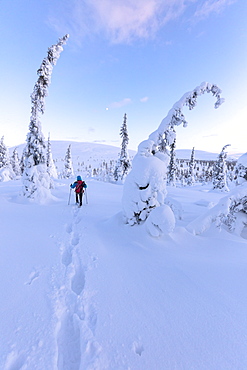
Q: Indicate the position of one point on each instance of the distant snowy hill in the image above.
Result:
(84, 151)
(199, 154)
(202, 155)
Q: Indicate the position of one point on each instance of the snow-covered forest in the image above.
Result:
(103, 165)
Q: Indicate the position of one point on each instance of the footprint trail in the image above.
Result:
(76, 318)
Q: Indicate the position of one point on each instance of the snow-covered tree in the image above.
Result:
(15, 162)
(123, 164)
(191, 176)
(6, 171)
(241, 169)
(145, 185)
(36, 180)
(51, 168)
(220, 171)
(172, 168)
(4, 154)
(68, 165)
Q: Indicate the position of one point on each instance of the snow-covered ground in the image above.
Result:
(82, 290)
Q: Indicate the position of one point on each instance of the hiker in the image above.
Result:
(79, 187)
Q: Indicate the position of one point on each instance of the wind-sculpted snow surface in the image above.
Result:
(81, 290)
(136, 204)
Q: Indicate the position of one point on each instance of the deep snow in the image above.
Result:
(82, 290)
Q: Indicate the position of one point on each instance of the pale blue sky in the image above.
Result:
(126, 56)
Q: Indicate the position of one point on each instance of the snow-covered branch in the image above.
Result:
(176, 117)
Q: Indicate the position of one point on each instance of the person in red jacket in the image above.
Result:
(79, 187)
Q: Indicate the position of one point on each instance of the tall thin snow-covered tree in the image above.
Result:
(36, 180)
(123, 164)
(145, 186)
(220, 171)
(4, 154)
(68, 165)
(191, 175)
(15, 162)
(51, 168)
(172, 168)
(6, 171)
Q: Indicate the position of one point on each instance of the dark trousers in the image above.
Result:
(78, 197)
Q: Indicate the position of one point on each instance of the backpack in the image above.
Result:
(79, 187)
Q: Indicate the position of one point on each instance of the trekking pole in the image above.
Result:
(69, 197)
(86, 196)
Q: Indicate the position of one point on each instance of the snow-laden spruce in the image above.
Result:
(123, 165)
(6, 171)
(241, 169)
(51, 168)
(68, 165)
(191, 175)
(15, 163)
(220, 171)
(172, 168)
(36, 179)
(145, 186)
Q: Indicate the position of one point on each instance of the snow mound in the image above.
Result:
(6, 174)
(37, 185)
(160, 221)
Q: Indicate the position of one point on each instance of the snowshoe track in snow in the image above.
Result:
(76, 317)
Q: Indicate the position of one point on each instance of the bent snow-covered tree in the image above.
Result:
(145, 186)
(36, 180)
